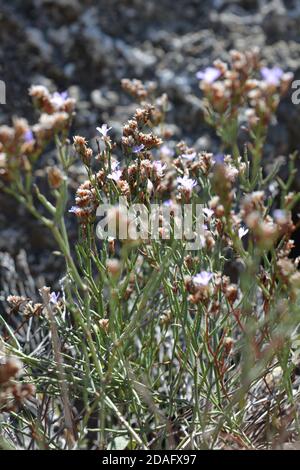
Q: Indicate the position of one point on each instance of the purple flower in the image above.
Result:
(189, 156)
(28, 136)
(103, 130)
(166, 151)
(186, 183)
(138, 148)
(242, 232)
(58, 99)
(209, 75)
(202, 278)
(280, 216)
(219, 158)
(73, 209)
(54, 298)
(168, 203)
(271, 76)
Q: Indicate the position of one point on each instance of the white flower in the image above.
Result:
(231, 172)
(149, 187)
(54, 297)
(103, 130)
(114, 165)
(159, 167)
(202, 278)
(115, 175)
(58, 99)
(186, 183)
(209, 75)
(189, 156)
(208, 212)
(242, 232)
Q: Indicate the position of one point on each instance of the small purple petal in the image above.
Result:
(209, 75)
(166, 151)
(58, 99)
(138, 148)
(73, 209)
(271, 76)
(54, 298)
(28, 136)
(168, 203)
(219, 158)
(280, 216)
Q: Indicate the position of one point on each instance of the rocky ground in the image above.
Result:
(87, 46)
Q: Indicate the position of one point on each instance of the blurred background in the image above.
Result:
(88, 46)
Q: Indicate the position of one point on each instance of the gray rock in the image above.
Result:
(37, 39)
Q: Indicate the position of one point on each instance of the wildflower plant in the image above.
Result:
(150, 344)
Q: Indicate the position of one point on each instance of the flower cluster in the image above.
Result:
(135, 88)
(24, 306)
(84, 152)
(21, 144)
(243, 88)
(51, 103)
(13, 393)
(86, 203)
(134, 139)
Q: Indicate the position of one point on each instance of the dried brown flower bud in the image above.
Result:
(231, 293)
(113, 267)
(20, 127)
(7, 135)
(32, 310)
(135, 88)
(86, 202)
(55, 177)
(42, 98)
(79, 142)
(286, 267)
(9, 369)
(104, 324)
(16, 300)
(228, 344)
